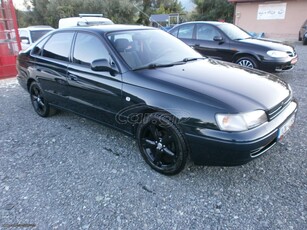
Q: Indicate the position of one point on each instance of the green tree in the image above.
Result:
(213, 10)
(149, 7)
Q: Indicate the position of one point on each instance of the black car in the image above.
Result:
(302, 34)
(227, 42)
(150, 85)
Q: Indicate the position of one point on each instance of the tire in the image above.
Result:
(299, 37)
(39, 103)
(162, 144)
(249, 62)
(305, 41)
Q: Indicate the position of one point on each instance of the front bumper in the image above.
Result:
(279, 65)
(214, 147)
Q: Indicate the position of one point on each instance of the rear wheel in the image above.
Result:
(304, 41)
(39, 103)
(162, 144)
(249, 62)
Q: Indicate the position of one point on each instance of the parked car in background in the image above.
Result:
(227, 42)
(302, 35)
(84, 20)
(152, 86)
(31, 34)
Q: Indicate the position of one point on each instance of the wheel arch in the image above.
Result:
(237, 56)
(29, 82)
(147, 110)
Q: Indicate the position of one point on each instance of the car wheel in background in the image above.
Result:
(162, 144)
(39, 103)
(247, 62)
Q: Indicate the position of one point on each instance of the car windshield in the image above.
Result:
(151, 48)
(234, 32)
(37, 34)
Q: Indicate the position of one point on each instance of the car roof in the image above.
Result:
(31, 28)
(205, 22)
(107, 28)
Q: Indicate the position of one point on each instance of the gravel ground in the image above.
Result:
(66, 172)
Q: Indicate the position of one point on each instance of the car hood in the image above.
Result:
(239, 89)
(269, 44)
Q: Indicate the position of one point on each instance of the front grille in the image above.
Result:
(272, 113)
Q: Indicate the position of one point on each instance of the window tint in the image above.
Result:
(206, 32)
(89, 48)
(186, 31)
(58, 46)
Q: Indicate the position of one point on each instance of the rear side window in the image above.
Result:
(58, 46)
(88, 48)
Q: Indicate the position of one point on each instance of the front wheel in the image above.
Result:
(162, 144)
(39, 103)
(249, 62)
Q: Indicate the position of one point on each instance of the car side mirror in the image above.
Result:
(101, 65)
(218, 38)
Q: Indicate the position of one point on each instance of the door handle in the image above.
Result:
(73, 77)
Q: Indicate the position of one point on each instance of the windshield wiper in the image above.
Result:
(238, 39)
(193, 59)
(154, 65)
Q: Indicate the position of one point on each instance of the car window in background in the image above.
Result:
(88, 48)
(186, 31)
(234, 32)
(206, 32)
(58, 47)
(23, 33)
(37, 34)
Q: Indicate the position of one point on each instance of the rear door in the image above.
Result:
(185, 33)
(93, 94)
(52, 56)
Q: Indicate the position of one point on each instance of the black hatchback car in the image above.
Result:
(227, 42)
(150, 85)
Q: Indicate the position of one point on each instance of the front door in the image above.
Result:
(93, 94)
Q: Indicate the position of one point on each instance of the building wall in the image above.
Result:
(285, 29)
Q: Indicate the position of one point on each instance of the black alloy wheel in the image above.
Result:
(39, 104)
(162, 144)
(249, 62)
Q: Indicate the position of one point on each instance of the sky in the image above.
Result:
(19, 4)
(187, 4)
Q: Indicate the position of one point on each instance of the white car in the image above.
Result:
(31, 34)
(84, 20)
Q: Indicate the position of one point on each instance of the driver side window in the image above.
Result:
(206, 33)
(88, 48)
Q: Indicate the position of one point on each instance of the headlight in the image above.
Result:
(277, 54)
(242, 121)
